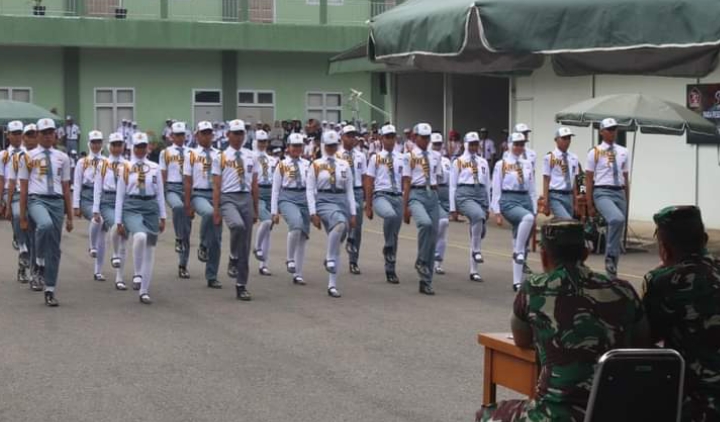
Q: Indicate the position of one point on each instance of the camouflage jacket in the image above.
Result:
(576, 316)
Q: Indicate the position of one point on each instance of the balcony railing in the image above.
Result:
(309, 12)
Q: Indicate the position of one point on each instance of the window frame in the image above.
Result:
(324, 108)
(255, 103)
(114, 105)
(10, 90)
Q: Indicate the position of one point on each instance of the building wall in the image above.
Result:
(480, 102)
(419, 98)
(36, 68)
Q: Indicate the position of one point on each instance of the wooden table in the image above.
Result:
(508, 365)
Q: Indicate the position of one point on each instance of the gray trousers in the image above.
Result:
(182, 224)
(238, 213)
(389, 208)
(48, 215)
(20, 236)
(210, 234)
(561, 205)
(355, 235)
(425, 210)
(612, 205)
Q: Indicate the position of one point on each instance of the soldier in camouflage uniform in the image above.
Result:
(682, 301)
(571, 316)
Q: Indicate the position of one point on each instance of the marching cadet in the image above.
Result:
(470, 196)
(30, 142)
(331, 202)
(83, 197)
(267, 164)
(103, 207)
(560, 167)
(235, 200)
(420, 199)
(44, 190)
(528, 154)
(9, 194)
(514, 198)
(608, 189)
(444, 164)
(383, 196)
(197, 170)
(358, 168)
(171, 166)
(289, 198)
(140, 211)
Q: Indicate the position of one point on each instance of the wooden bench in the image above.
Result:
(507, 365)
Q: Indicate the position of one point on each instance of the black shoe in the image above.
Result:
(242, 293)
(179, 247)
(202, 254)
(183, 272)
(298, 280)
(214, 284)
(476, 277)
(391, 277)
(477, 257)
(291, 267)
(145, 299)
(426, 290)
(24, 259)
(516, 287)
(22, 275)
(264, 271)
(526, 269)
(50, 299)
(350, 247)
(422, 269)
(35, 286)
(354, 269)
(389, 255)
(232, 268)
(259, 254)
(333, 292)
(136, 282)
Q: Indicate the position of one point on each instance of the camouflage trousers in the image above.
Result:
(528, 411)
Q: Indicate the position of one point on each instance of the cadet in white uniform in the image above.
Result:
(289, 198)
(331, 201)
(103, 207)
(470, 196)
(30, 142)
(171, 166)
(266, 164)
(140, 211)
(235, 199)
(197, 170)
(528, 154)
(514, 198)
(420, 199)
(358, 167)
(44, 177)
(444, 164)
(608, 189)
(383, 195)
(560, 167)
(83, 195)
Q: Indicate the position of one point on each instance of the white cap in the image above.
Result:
(116, 137)
(134, 123)
(436, 138)
(608, 123)
(261, 135)
(236, 125)
(563, 131)
(295, 139)
(15, 126)
(330, 138)
(178, 128)
(518, 137)
(349, 129)
(522, 128)
(68, 117)
(95, 135)
(204, 125)
(258, 123)
(325, 122)
(139, 138)
(472, 137)
(388, 130)
(30, 128)
(73, 152)
(44, 124)
(423, 129)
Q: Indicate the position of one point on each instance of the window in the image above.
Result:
(324, 106)
(111, 106)
(262, 11)
(256, 106)
(101, 7)
(16, 94)
(207, 105)
(330, 2)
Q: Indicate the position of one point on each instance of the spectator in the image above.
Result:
(69, 134)
(167, 130)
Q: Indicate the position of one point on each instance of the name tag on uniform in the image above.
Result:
(343, 174)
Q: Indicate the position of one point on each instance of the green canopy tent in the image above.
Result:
(25, 112)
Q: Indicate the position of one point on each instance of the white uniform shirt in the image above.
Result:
(444, 165)
(106, 180)
(600, 162)
(9, 164)
(321, 178)
(34, 169)
(357, 161)
(487, 148)
(528, 155)
(85, 171)
(463, 172)
(380, 167)
(266, 168)
(171, 161)
(71, 132)
(235, 178)
(554, 165)
(513, 174)
(198, 165)
(286, 176)
(419, 168)
(140, 174)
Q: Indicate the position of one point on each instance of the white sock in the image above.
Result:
(293, 238)
(147, 269)
(441, 244)
(266, 250)
(263, 230)
(115, 239)
(333, 251)
(139, 245)
(523, 234)
(517, 273)
(476, 236)
(100, 259)
(95, 231)
(122, 254)
(300, 254)
(40, 262)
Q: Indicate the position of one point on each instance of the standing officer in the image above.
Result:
(83, 197)
(197, 170)
(266, 164)
(44, 191)
(420, 199)
(560, 167)
(608, 190)
(171, 166)
(235, 199)
(383, 195)
(443, 191)
(358, 168)
(70, 135)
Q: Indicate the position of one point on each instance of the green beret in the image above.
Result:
(563, 233)
(678, 217)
